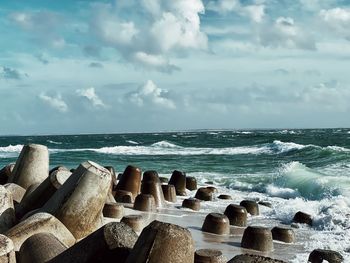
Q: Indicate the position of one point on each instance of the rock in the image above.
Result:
(42, 193)
(236, 214)
(204, 194)
(32, 166)
(136, 222)
(246, 258)
(40, 248)
(191, 183)
(225, 197)
(110, 243)
(178, 179)
(16, 191)
(145, 202)
(7, 211)
(302, 218)
(192, 203)
(39, 223)
(78, 203)
(169, 192)
(163, 243)
(7, 252)
(257, 238)
(113, 210)
(150, 176)
(130, 180)
(216, 223)
(209, 256)
(321, 255)
(283, 233)
(122, 196)
(5, 173)
(154, 188)
(251, 206)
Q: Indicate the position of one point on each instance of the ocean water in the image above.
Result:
(307, 170)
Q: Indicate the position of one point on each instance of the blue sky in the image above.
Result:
(156, 65)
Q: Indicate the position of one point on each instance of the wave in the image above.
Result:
(11, 148)
(132, 142)
(53, 142)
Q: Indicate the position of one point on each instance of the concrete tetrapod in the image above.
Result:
(150, 176)
(32, 166)
(283, 233)
(42, 193)
(192, 203)
(7, 252)
(169, 192)
(122, 196)
(178, 179)
(191, 183)
(78, 203)
(7, 212)
(251, 206)
(321, 255)
(257, 238)
(302, 218)
(247, 258)
(155, 189)
(216, 223)
(162, 243)
(40, 248)
(16, 191)
(209, 256)
(136, 222)
(39, 223)
(236, 214)
(113, 210)
(130, 180)
(110, 243)
(145, 202)
(205, 194)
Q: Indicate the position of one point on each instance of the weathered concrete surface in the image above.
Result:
(209, 256)
(130, 180)
(178, 179)
(321, 255)
(40, 248)
(162, 243)
(7, 212)
(32, 166)
(155, 189)
(42, 193)
(79, 202)
(7, 252)
(257, 238)
(16, 191)
(110, 243)
(253, 259)
(39, 223)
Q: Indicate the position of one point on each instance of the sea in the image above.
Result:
(294, 169)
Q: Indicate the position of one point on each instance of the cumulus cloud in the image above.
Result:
(11, 73)
(56, 102)
(338, 20)
(92, 97)
(286, 33)
(255, 12)
(152, 37)
(150, 95)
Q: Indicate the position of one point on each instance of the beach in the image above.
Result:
(293, 170)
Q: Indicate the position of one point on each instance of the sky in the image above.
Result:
(160, 65)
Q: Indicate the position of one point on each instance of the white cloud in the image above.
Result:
(286, 33)
(164, 29)
(56, 103)
(149, 94)
(91, 95)
(255, 12)
(338, 20)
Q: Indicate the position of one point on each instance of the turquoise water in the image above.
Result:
(295, 170)
(313, 164)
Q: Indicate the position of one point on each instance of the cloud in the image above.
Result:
(284, 32)
(338, 20)
(56, 103)
(92, 51)
(91, 95)
(255, 12)
(151, 38)
(11, 73)
(95, 65)
(150, 95)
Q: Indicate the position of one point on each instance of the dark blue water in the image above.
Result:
(242, 160)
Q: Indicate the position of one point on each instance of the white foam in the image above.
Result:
(53, 142)
(132, 142)
(11, 148)
(276, 191)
